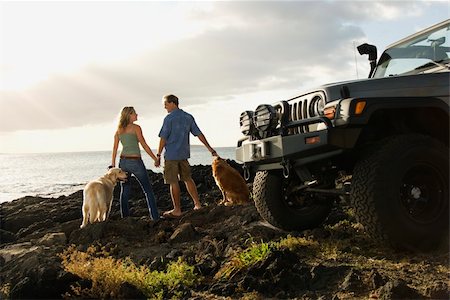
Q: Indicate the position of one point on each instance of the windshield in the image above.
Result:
(421, 52)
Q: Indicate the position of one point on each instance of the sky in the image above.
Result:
(67, 68)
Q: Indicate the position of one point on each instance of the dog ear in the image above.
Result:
(113, 171)
(217, 159)
(112, 174)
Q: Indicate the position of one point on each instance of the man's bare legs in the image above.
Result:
(192, 189)
(175, 193)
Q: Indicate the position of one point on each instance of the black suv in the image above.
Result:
(381, 142)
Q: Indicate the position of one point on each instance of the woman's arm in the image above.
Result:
(142, 141)
(114, 152)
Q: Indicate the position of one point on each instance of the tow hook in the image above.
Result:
(246, 172)
(286, 166)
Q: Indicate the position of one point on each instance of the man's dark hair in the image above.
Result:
(171, 99)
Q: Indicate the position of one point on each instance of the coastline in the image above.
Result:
(60, 174)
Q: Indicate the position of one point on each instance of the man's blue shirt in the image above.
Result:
(175, 130)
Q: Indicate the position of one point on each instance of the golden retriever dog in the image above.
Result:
(98, 196)
(230, 182)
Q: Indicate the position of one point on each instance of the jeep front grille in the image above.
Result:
(298, 110)
(304, 107)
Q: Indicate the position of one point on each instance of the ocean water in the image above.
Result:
(55, 174)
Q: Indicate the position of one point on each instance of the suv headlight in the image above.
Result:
(316, 106)
(246, 122)
(265, 117)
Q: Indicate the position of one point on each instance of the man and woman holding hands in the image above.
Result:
(174, 139)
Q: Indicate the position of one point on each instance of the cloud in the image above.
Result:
(242, 47)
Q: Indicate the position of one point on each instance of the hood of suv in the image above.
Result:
(430, 85)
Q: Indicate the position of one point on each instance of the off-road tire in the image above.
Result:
(381, 204)
(269, 201)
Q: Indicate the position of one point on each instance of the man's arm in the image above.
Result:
(202, 139)
(162, 144)
(197, 132)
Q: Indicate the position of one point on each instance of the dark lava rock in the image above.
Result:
(324, 277)
(280, 271)
(6, 236)
(398, 289)
(438, 290)
(353, 281)
(128, 291)
(376, 280)
(337, 265)
(184, 233)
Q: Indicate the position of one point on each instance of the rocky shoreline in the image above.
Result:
(337, 260)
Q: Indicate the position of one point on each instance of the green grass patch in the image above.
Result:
(258, 252)
(107, 274)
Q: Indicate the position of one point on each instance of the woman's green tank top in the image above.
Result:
(130, 144)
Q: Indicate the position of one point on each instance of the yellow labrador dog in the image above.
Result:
(98, 196)
(234, 189)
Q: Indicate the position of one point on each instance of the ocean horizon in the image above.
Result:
(62, 173)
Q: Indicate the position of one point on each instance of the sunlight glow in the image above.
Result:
(52, 37)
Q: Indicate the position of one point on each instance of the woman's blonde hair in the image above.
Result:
(125, 116)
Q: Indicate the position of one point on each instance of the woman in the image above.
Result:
(130, 136)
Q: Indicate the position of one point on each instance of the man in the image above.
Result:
(174, 137)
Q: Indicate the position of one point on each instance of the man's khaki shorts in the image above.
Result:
(175, 170)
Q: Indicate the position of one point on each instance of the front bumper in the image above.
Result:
(279, 148)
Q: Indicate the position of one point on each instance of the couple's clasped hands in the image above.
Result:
(158, 158)
(158, 161)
